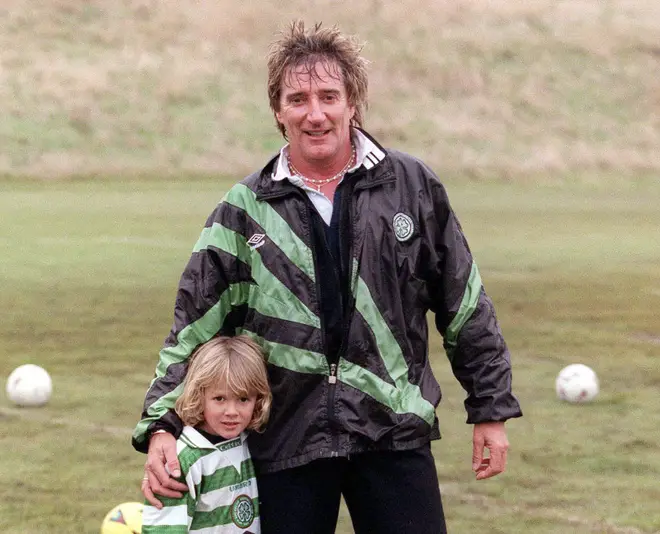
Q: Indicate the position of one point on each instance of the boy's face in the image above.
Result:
(225, 413)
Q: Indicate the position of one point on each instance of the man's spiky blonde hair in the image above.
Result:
(298, 47)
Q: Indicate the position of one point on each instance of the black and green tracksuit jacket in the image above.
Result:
(343, 327)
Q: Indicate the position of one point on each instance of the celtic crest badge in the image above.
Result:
(242, 511)
(403, 226)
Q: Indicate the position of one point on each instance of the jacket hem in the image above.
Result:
(265, 466)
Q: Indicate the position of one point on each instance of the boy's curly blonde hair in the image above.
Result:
(237, 362)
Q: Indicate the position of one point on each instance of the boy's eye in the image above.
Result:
(245, 399)
(219, 398)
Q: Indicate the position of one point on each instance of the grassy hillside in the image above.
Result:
(547, 89)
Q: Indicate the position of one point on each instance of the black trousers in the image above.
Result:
(385, 492)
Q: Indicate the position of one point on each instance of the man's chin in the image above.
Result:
(317, 154)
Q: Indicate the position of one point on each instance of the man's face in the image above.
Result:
(225, 413)
(315, 111)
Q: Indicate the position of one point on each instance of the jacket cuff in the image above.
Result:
(158, 426)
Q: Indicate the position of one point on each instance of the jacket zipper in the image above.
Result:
(332, 375)
(347, 302)
(333, 360)
(332, 379)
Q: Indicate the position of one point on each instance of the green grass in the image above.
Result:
(543, 116)
(88, 274)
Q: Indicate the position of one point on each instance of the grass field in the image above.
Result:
(88, 274)
(116, 119)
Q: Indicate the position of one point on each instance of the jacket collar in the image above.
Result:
(376, 169)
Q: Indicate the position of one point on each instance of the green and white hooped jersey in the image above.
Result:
(222, 493)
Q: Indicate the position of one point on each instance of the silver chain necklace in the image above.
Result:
(319, 183)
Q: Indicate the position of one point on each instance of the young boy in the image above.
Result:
(225, 393)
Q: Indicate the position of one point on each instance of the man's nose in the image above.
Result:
(314, 111)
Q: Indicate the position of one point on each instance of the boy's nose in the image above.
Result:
(231, 409)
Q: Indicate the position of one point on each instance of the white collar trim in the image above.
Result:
(367, 154)
(199, 441)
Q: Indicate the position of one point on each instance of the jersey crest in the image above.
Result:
(242, 511)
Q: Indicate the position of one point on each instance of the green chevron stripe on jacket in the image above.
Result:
(465, 310)
(187, 340)
(278, 230)
(157, 410)
(291, 358)
(401, 398)
(203, 329)
(273, 299)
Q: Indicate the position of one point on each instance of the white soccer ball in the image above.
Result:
(577, 383)
(29, 385)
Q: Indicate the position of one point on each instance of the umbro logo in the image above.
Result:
(256, 241)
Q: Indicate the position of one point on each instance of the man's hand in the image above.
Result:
(162, 453)
(491, 436)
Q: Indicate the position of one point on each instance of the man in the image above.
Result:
(330, 258)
